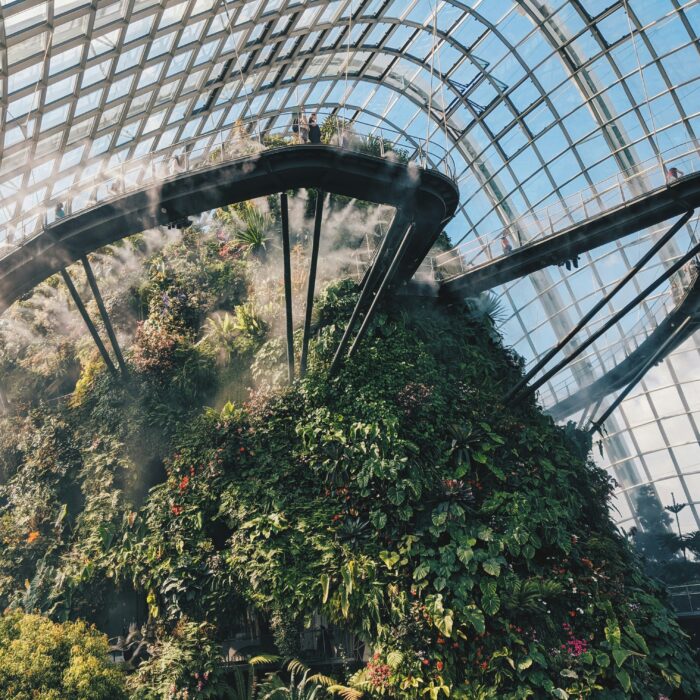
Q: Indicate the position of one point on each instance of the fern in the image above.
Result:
(345, 692)
(295, 666)
(264, 660)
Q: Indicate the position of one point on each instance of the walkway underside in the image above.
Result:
(677, 327)
(430, 197)
(674, 200)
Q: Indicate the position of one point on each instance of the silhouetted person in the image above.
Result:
(314, 129)
(115, 187)
(673, 174)
(505, 244)
(177, 165)
(60, 211)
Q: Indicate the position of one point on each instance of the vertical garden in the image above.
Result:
(465, 543)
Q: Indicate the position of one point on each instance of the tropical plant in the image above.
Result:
(220, 333)
(466, 541)
(251, 231)
(180, 665)
(302, 685)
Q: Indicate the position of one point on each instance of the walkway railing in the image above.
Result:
(594, 364)
(686, 599)
(603, 197)
(238, 140)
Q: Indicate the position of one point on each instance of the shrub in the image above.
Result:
(154, 352)
(44, 660)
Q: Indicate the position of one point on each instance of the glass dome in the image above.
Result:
(531, 102)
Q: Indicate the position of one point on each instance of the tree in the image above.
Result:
(655, 522)
(44, 660)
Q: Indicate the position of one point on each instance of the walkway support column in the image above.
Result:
(598, 424)
(103, 313)
(312, 282)
(286, 254)
(612, 321)
(367, 288)
(382, 289)
(88, 321)
(599, 305)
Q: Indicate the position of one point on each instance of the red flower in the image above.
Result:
(426, 662)
(183, 482)
(440, 665)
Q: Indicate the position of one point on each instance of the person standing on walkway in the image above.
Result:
(314, 129)
(673, 174)
(303, 129)
(60, 211)
(505, 244)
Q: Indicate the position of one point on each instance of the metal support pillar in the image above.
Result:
(367, 288)
(590, 412)
(286, 254)
(312, 283)
(103, 313)
(88, 321)
(656, 356)
(382, 288)
(612, 321)
(599, 305)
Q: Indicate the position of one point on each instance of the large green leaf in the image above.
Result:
(465, 554)
(421, 571)
(492, 567)
(624, 678)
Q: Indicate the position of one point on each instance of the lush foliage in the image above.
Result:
(465, 542)
(44, 660)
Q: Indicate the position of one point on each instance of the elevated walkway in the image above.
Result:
(656, 190)
(685, 599)
(671, 332)
(430, 196)
(647, 210)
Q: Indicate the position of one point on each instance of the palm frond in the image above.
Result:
(320, 678)
(295, 666)
(344, 692)
(264, 660)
